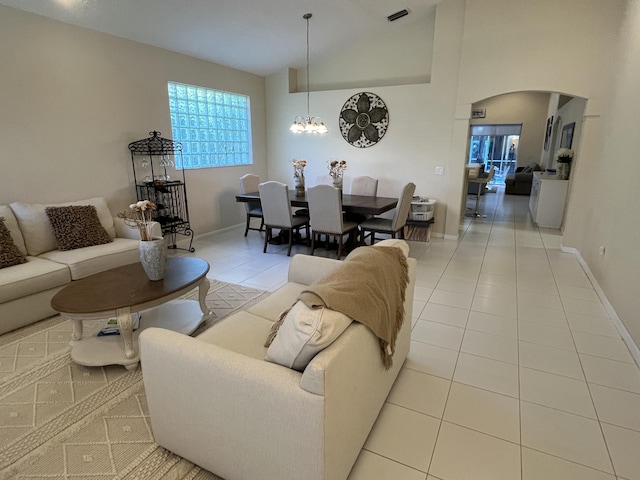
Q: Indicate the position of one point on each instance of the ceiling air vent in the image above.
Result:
(397, 15)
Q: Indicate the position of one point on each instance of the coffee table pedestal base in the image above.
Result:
(182, 316)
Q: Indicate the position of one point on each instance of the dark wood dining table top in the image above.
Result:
(362, 204)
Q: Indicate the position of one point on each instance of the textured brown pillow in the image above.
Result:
(10, 254)
(77, 226)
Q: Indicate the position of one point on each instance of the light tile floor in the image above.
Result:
(515, 370)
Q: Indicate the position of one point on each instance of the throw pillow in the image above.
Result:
(10, 254)
(77, 226)
(36, 228)
(304, 333)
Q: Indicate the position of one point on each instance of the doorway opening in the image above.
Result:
(495, 146)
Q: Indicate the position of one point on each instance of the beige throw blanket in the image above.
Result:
(370, 288)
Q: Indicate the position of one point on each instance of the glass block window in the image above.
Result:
(214, 127)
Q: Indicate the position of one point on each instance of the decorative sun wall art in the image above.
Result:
(364, 119)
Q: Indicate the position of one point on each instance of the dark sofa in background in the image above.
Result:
(519, 183)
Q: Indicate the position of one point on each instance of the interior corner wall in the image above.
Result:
(72, 99)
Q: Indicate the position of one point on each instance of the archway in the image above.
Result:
(542, 115)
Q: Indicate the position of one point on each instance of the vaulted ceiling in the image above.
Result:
(257, 36)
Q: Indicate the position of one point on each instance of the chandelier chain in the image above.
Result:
(309, 124)
(307, 17)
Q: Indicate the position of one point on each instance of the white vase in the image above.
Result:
(153, 257)
(563, 170)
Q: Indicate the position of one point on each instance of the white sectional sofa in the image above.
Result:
(26, 290)
(217, 402)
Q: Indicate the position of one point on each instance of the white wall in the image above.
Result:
(71, 100)
(604, 206)
(545, 45)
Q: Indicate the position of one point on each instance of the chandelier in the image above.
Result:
(308, 124)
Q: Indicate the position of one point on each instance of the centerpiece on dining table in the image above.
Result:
(298, 175)
(151, 250)
(336, 170)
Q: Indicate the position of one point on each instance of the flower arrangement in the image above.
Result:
(140, 216)
(298, 168)
(336, 168)
(564, 155)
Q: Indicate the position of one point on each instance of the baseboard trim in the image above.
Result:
(622, 330)
(184, 242)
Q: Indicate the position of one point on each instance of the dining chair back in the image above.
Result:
(404, 205)
(364, 185)
(276, 209)
(325, 212)
(248, 184)
(324, 180)
(395, 225)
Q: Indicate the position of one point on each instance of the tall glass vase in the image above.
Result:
(298, 182)
(337, 182)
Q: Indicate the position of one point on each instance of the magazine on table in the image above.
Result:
(111, 327)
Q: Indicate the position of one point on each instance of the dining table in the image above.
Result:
(361, 204)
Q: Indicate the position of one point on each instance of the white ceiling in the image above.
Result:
(257, 36)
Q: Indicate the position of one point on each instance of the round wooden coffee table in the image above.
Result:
(121, 291)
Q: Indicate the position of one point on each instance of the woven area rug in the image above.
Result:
(59, 420)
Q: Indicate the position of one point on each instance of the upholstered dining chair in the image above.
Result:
(325, 213)
(364, 185)
(394, 225)
(481, 183)
(249, 183)
(276, 210)
(324, 180)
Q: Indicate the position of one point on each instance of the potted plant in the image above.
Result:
(336, 170)
(564, 156)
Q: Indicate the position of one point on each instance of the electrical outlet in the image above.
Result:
(602, 250)
(439, 169)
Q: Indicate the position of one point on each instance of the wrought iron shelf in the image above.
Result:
(150, 158)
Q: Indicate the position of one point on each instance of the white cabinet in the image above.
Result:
(548, 196)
